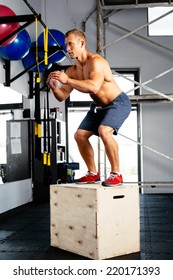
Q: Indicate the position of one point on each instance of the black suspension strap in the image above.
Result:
(37, 119)
(47, 144)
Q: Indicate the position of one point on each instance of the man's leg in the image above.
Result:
(111, 149)
(82, 138)
(111, 146)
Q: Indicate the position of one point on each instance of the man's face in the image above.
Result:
(73, 45)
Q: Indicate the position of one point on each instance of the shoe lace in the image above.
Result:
(112, 176)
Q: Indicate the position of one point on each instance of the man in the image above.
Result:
(91, 74)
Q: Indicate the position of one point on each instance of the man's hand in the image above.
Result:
(53, 84)
(59, 76)
(57, 82)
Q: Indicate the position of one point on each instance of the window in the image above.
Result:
(4, 117)
(125, 81)
(9, 98)
(76, 96)
(162, 27)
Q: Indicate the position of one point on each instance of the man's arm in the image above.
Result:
(92, 84)
(60, 93)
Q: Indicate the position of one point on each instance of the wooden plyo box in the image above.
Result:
(95, 221)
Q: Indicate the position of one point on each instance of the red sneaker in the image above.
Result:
(114, 180)
(89, 178)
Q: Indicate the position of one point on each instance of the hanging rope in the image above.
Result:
(37, 101)
(45, 135)
(37, 119)
(48, 130)
(47, 146)
(36, 52)
(44, 25)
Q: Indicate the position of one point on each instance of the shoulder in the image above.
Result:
(96, 58)
(97, 62)
(71, 70)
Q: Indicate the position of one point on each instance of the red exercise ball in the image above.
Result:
(9, 27)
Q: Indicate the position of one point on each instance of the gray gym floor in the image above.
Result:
(25, 232)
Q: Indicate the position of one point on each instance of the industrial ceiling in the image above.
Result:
(116, 4)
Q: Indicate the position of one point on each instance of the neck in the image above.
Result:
(83, 57)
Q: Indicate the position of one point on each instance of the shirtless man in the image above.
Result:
(91, 74)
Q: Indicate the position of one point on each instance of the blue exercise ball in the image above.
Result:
(60, 38)
(19, 48)
(30, 59)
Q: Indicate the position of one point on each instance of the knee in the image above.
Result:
(105, 133)
(78, 136)
(82, 135)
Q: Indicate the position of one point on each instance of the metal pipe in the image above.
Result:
(98, 51)
(147, 88)
(151, 80)
(136, 30)
(134, 5)
(141, 37)
(98, 27)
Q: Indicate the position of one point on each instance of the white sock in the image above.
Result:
(93, 173)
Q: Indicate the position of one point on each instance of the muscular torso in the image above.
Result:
(109, 89)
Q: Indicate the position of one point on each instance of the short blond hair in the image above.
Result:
(76, 32)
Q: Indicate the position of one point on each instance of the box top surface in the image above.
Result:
(93, 186)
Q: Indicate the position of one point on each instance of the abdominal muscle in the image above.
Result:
(108, 92)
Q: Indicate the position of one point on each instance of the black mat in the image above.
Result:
(25, 233)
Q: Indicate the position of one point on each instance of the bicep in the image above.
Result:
(96, 73)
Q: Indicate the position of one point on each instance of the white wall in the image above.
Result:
(15, 194)
(20, 8)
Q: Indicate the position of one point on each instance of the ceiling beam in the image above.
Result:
(131, 4)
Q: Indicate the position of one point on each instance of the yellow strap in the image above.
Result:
(45, 158)
(38, 78)
(48, 159)
(39, 130)
(46, 45)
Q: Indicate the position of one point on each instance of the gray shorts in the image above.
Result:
(112, 115)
